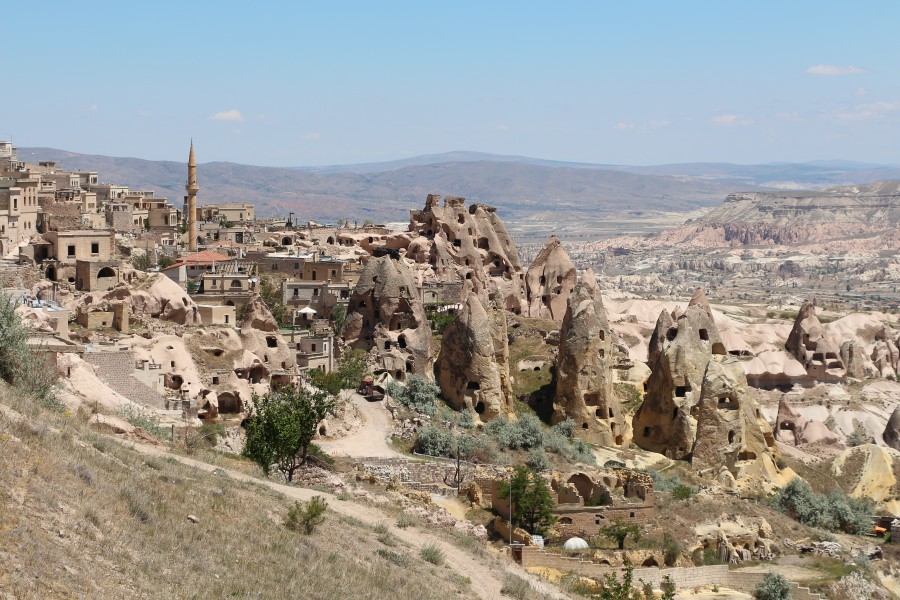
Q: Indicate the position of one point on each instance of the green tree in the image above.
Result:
(270, 292)
(613, 589)
(20, 365)
(165, 261)
(351, 368)
(305, 517)
(773, 587)
(532, 502)
(338, 316)
(281, 426)
(619, 530)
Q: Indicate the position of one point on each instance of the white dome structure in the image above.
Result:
(575, 543)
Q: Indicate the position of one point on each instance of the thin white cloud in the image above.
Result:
(834, 70)
(228, 115)
(648, 126)
(314, 136)
(730, 120)
(863, 112)
(861, 91)
(624, 126)
(93, 107)
(502, 127)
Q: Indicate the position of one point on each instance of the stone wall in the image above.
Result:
(585, 521)
(683, 577)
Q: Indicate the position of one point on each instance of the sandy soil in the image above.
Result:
(703, 594)
(370, 440)
(487, 576)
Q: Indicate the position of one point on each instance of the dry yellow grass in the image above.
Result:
(83, 516)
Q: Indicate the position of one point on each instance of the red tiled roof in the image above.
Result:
(203, 258)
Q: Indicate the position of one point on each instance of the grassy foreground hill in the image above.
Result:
(84, 515)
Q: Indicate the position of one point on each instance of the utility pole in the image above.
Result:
(510, 510)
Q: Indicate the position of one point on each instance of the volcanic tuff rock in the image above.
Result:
(473, 365)
(871, 472)
(471, 246)
(892, 431)
(157, 297)
(549, 280)
(809, 343)
(385, 317)
(258, 316)
(791, 427)
(678, 355)
(731, 431)
(854, 358)
(584, 379)
(885, 353)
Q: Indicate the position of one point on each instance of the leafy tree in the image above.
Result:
(165, 261)
(281, 425)
(141, 262)
(338, 316)
(350, 370)
(305, 517)
(619, 530)
(532, 502)
(270, 292)
(613, 589)
(418, 394)
(773, 587)
(20, 365)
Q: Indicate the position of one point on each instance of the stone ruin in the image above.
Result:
(549, 281)
(385, 317)
(737, 538)
(583, 376)
(680, 350)
(469, 245)
(733, 440)
(808, 342)
(472, 368)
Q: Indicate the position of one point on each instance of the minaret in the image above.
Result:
(192, 188)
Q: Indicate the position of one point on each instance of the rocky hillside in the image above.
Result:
(755, 218)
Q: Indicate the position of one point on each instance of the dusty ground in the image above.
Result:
(371, 439)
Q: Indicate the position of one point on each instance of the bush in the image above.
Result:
(859, 436)
(433, 441)
(671, 549)
(440, 320)
(305, 517)
(833, 511)
(405, 520)
(20, 366)
(682, 492)
(433, 554)
(418, 394)
(773, 587)
(523, 434)
(537, 460)
(146, 421)
(516, 587)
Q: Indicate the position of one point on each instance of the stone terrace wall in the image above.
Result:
(116, 369)
(683, 577)
(434, 475)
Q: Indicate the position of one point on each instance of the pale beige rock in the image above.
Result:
(872, 470)
(892, 430)
(810, 344)
(473, 365)
(258, 316)
(679, 353)
(385, 317)
(731, 430)
(584, 379)
(549, 281)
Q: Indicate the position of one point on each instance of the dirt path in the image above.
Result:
(487, 577)
(369, 440)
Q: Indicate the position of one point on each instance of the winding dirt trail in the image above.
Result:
(487, 576)
(370, 440)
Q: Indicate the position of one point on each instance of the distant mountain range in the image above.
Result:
(523, 188)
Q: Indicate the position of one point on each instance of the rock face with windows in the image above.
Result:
(385, 317)
(680, 350)
(473, 365)
(809, 343)
(734, 441)
(584, 379)
(549, 281)
(469, 245)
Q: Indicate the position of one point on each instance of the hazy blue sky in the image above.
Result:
(307, 83)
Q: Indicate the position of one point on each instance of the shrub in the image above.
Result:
(433, 441)
(859, 436)
(433, 554)
(515, 587)
(418, 394)
(619, 530)
(397, 559)
(380, 528)
(671, 549)
(773, 587)
(405, 520)
(523, 434)
(537, 460)
(20, 366)
(833, 511)
(682, 492)
(305, 517)
(440, 320)
(146, 421)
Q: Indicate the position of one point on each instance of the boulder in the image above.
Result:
(473, 365)
(892, 430)
(385, 317)
(584, 379)
(158, 297)
(258, 316)
(679, 353)
(549, 280)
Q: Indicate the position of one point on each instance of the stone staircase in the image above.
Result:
(116, 369)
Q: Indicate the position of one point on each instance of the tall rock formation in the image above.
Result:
(584, 380)
(854, 358)
(732, 434)
(385, 317)
(473, 365)
(470, 246)
(809, 343)
(549, 281)
(892, 431)
(885, 353)
(679, 353)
